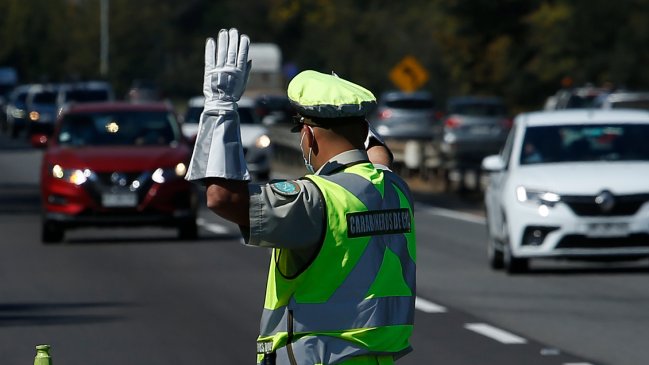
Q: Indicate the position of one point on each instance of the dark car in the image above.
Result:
(41, 108)
(16, 110)
(84, 92)
(116, 164)
(474, 127)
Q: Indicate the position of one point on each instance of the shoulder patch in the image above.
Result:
(286, 188)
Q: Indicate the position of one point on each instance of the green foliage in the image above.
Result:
(517, 49)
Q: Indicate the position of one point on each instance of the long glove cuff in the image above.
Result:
(218, 151)
(219, 107)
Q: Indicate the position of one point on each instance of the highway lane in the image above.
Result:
(129, 296)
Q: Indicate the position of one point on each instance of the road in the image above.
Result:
(134, 296)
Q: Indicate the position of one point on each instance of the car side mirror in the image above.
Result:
(38, 140)
(493, 163)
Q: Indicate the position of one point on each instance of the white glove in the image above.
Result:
(226, 76)
(218, 151)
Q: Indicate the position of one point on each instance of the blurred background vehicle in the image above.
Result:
(8, 80)
(255, 137)
(116, 164)
(473, 128)
(274, 109)
(407, 122)
(41, 108)
(16, 110)
(569, 184)
(142, 91)
(624, 100)
(575, 98)
(84, 92)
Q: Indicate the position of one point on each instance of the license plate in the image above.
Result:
(606, 229)
(121, 200)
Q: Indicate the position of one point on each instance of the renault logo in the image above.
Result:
(605, 200)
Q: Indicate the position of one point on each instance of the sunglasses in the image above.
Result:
(298, 122)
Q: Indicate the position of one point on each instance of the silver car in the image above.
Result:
(474, 127)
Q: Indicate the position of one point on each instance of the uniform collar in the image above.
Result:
(342, 160)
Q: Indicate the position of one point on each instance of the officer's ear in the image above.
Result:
(313, 142)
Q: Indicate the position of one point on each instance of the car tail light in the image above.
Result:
(452, 123)
(385, 114)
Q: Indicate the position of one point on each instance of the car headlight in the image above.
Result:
(538, 197)
(34, 116)
(18, 113)
(161, 175)
(262, 141)
(74, 176)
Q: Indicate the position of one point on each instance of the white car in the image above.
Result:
(255, 137)
(569, 184)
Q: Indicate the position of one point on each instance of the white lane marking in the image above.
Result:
(212, 227)
(427, 306)
(494, 333)
(468, 217)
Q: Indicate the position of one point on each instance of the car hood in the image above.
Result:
(586, 178)
(117, 158)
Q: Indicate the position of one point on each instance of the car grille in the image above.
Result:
(106, 182)
(581, 241)
(585, 205)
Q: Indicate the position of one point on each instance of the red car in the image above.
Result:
(116, 164)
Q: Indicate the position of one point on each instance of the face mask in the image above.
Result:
(307, 163)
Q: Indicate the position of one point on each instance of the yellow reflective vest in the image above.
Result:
(357, 296)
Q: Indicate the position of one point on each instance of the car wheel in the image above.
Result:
(494, 253)
(511, 263)
(51, 233)
(188, 230)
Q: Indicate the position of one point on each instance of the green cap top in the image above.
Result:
(318, 95)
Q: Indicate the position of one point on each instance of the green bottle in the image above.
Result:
(42, 355)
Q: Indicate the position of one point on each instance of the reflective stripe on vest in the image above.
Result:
(338, 351)
(349, 299)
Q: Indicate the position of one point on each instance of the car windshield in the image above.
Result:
(246, 115)
(598, 142)
(84, 96)
(131, 128)
(631, 104)
(410, 104)
(478, 109)
(45, 97)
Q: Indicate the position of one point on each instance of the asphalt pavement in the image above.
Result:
(130, 296)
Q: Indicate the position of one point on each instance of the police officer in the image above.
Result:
(341, 282)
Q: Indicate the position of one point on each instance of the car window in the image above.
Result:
(568, 143)
(478, 109)
(410, 104)
(631, 104)
(246, 115)
(20, 99)
(84, 96)
(193, 115)
(508, 147)
(119, 128)
(45, 97)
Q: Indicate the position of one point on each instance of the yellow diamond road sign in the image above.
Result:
(409, 75)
